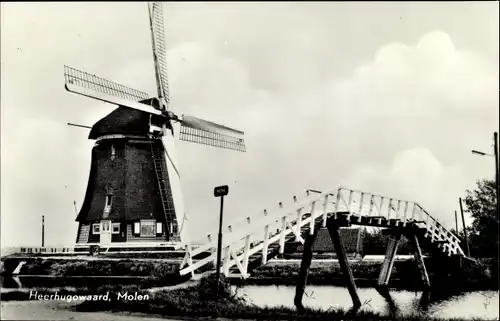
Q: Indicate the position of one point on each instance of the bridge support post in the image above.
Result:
(390, 257)
(333, 230)
(304, 269)
(420, 261)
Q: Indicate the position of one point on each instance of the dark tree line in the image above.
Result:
(376, 243)
(483, 233)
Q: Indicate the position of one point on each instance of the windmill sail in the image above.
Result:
(84, 79)
(159, 51)
(89, 85)
(205, 132)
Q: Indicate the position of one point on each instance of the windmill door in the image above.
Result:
(105, 233)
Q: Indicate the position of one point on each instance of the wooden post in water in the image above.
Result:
(420, 261)
(333, 230)
(304, 268)
(390, 257)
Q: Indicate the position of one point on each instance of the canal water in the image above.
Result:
(473, 305)
(469, 305)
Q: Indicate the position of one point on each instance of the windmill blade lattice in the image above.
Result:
(83, 79)
(200, 136)
(156, 20)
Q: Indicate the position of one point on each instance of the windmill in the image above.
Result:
(133, 196)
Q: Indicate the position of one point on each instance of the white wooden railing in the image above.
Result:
(255, 233)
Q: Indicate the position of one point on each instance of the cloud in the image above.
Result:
(383, 115)
(416, 175)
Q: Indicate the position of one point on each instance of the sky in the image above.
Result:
(384, 97)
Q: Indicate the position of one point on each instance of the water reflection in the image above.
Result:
(392, 308)
(479, 304)
(10, 282)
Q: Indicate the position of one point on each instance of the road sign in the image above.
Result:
(221, 190)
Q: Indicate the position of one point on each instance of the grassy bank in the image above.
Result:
(139, 255)
(199, 301)
(102, 267)
(61, 273)
(405, 274)
(139, 264)
(98, 268)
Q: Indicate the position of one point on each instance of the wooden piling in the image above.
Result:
(390, 257)
(304, 268)
(420, 262)
(344, 263)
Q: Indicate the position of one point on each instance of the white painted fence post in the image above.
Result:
(227, 258)
(246, 252)
(360, 206)
(413, 211)
(266, 242)
(311, 223)
(325, 209)
(350, 200)
(299, 218)
(389, 208)
(405, 212)
(189, 259)
(282, 235)
(382, 199)
(337, 202)
(372, 197)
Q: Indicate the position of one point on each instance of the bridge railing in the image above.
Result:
(271, 219)
(246, 222)
(239, 244)
(255, 233)
(366, 204)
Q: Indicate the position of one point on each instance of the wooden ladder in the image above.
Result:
(168, 206)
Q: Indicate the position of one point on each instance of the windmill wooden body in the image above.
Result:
(133, 197)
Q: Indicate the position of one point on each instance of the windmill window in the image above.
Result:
(148, 228)
(137, 228)
(108, 200)
(96, 228)
(159, 227)
(116, 228)
(113, 152)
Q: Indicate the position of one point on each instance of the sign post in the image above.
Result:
(219, 191)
